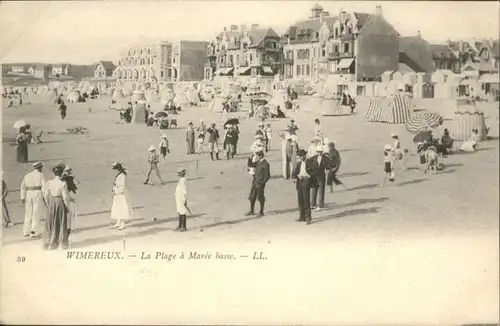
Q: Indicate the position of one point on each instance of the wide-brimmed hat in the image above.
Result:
(387, 147)
(37, 165)
(181, 171)
(117, 166)
(151, 148)
(163, 136)
(58, 168)
(393, 134)
(301, 153)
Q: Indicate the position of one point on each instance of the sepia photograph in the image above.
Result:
(250, 162)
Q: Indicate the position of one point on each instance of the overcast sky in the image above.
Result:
(84, 32)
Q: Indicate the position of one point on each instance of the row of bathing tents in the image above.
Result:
(398, 109)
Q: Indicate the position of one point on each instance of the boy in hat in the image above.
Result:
(262, 175)
(164, 146)
(319, 164)
(181, 200)
(153, 160)
(388, 160)
(32, 197)
(302, 175)
(213, 138)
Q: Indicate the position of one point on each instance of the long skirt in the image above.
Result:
(121, 208)
(22, 153)
(190, 146)
(56, 224)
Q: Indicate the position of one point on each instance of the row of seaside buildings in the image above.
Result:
(356, 46)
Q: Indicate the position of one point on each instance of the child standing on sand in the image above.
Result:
(388, 162)
(164, 147)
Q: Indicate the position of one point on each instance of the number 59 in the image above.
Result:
(21, 259)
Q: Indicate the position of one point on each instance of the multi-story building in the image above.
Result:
(244, 51)
(61, 69)
(188, 60)
(40, 70)
(104, 69)
(145, 63)
(357, 46)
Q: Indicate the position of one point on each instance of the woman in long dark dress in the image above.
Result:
(57, 199)
(22, 145)
(190, 138)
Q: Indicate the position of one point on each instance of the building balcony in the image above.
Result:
(334, 55)
(242, 63)
(349, 54)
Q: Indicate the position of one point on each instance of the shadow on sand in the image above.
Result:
(362, 187)
(352, 212)
(351, 174)
(411, 182)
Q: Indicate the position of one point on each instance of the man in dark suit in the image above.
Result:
(302, 175)
(319, 164)
(262, 175)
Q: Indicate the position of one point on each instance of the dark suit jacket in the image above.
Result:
(296, 171)
(262, 173)
(319, 171)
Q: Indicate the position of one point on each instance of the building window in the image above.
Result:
(349, 30)
(323, 53)
(307, 70)
(221, 60)
(250, 58)
(230, 58)
(238, 58)
(346, 47)
(298, 70)
(336, 32)
(336, 48)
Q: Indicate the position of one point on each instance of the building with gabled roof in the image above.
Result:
(352, 45)
(104, 69)
(244, 51)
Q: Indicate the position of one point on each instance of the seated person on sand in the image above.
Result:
(471, 144)
(446, 144)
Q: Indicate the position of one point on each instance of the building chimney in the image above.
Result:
(255, 26)
(378, 10)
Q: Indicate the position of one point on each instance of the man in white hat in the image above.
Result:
(319, 164)
(32, 196)
(181, 200)
(153, 160)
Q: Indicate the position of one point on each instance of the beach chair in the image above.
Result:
(173, 122)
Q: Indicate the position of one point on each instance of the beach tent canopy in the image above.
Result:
(466, 118)
(394, 109)
(73, 96)
(139, 114)
(117, 94)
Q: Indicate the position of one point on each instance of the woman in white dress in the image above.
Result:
(121, 208)
(69, 178)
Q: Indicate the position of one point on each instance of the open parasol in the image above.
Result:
(260, 101)
(423, 137)
(233, 121)
(161, 114)
(423, 121)
(19, 123)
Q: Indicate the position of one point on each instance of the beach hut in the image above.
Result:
(216, 104)
(387, 76)
(73, 96)
(139, 113)
(167, 95)
(491, 85)
(395, 109)
(118, 94)
(448, 90)
(138, 96)
(193, 97)
(380, 89)
(394, 86)
(466, 118)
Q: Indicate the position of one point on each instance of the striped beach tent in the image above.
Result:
(423, 121)
(466, 118)
(395, 109)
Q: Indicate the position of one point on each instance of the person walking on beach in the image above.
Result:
(201, 131)
(153, 160)
(121, 209)
(164, 148)
(213, 139)
(62, 109)
(22, 140)
(5, 210)
(190, 139)
(56, 223)
(32, 197)
(318, 130)
(69, 179)
(269, 135)
(302, 175)
(181, 200)
(319, 164)
(261, 177)
(334, 157)
(388, 161)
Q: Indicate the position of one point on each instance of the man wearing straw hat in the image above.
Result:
(181, 200)
(153, 160)
(319, 164)
(32, 196)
